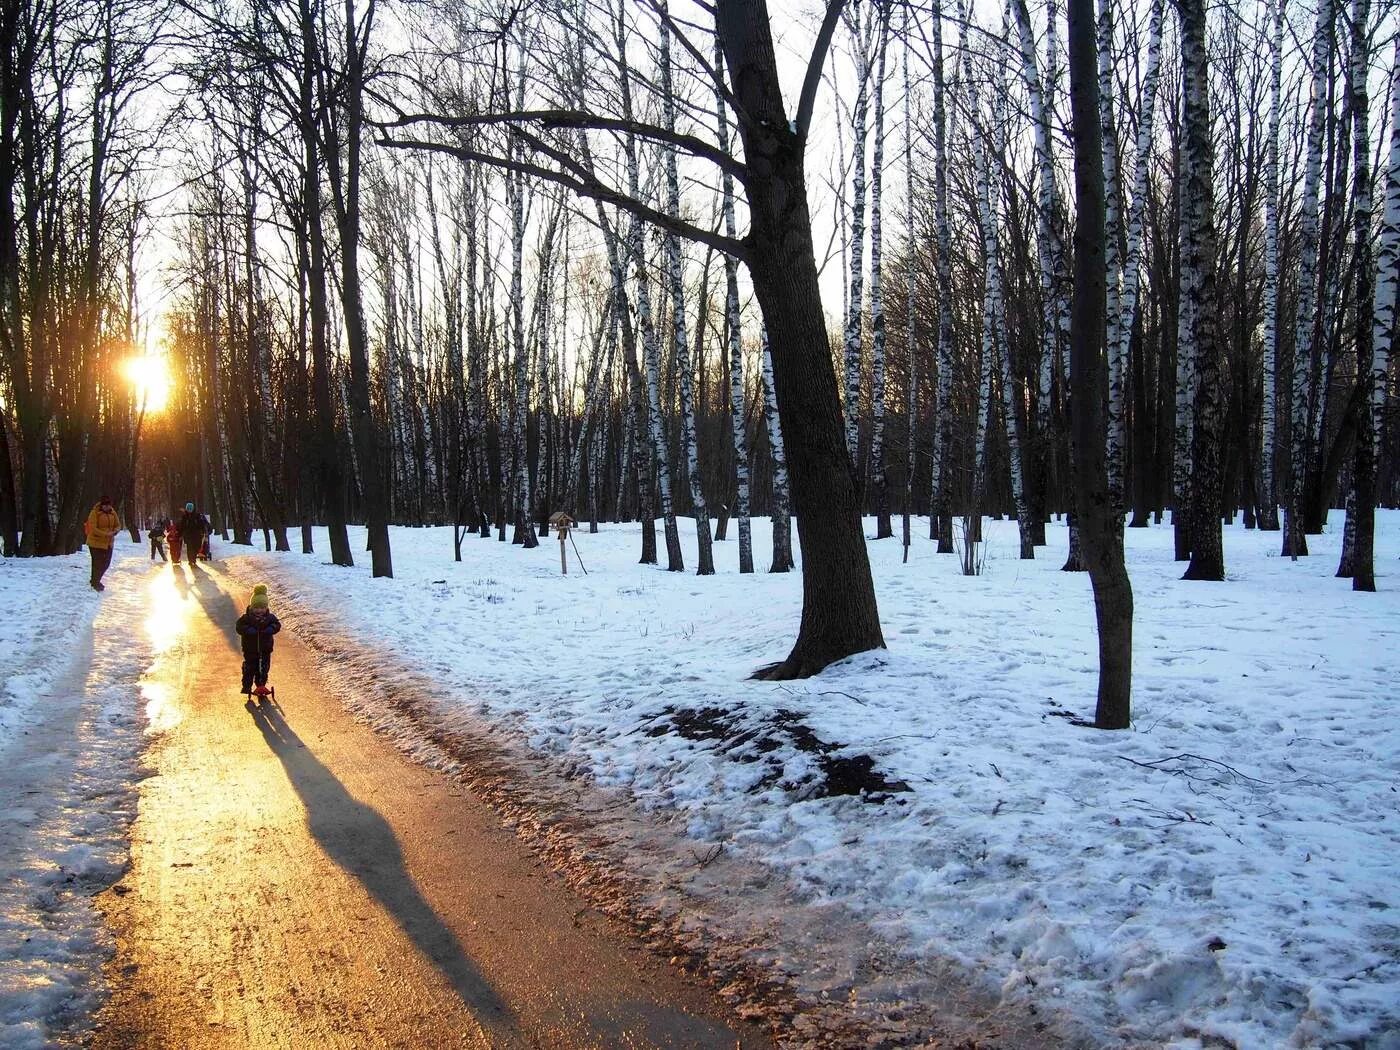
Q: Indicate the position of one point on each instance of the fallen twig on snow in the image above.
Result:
(1159, 764)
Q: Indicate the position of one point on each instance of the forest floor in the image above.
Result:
(920, 843)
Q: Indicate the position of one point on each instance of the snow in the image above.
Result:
(70, 737)
(1223, 871)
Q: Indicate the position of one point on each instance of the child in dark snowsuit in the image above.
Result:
(257, 627)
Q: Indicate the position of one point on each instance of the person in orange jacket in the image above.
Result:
(101, 527)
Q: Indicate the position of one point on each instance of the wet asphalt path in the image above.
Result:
(297, 882)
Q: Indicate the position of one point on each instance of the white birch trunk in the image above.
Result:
(883, 529)
(1268, 494)
(991, 310)
(1294, 541)
(734, 332)
(524, 526)
(1058, 357)
(861, 37)
(1185, 378)
(675, 279)
(1116, 441)
(940, 526)
(1387, 261)
(1045, 218)
(675, 562)
(651, 352)
(911, 407)
(1358, 549)
(782, 519)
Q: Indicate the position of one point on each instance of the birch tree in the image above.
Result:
(940, 518)
(1295, 542)
(1198, 277)
(1387, 288)
(1361, 504)
(734, 329)
(1268, 495)
(861, 26)
(782, 527)
(911, 344)
(883, 528)
(1102, 540)
(676, 282)
(1113, 261)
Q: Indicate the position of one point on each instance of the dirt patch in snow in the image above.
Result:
(748, 738)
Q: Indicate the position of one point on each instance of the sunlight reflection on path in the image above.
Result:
(169, 605)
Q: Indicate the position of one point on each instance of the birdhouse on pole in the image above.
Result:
(562, 523)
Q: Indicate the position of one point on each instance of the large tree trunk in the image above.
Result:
(364, 429)
(839, 612)
(329, 471)
(1101, 540)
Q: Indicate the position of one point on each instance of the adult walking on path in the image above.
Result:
(192, 530)
(101, 527)
(297, 881)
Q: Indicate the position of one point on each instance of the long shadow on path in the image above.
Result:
(363, 844)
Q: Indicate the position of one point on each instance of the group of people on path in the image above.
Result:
(190, 534)
(258, 625)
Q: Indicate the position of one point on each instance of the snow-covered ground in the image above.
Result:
(70, 736)
(1224, 871)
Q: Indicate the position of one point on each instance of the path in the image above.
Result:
(297, 882)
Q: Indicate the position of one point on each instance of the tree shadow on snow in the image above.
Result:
(363, 844)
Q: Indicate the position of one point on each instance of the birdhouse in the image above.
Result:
(562, 524)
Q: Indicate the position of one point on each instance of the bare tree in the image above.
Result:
(1102, 540)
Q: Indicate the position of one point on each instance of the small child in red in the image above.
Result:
(257, 627)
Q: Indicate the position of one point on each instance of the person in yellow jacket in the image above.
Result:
(101, 528)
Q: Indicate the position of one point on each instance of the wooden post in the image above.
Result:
(562, 524)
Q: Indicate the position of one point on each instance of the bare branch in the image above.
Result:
(569, 118)
(812, 81)
(582, 183)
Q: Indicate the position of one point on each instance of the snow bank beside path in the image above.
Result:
(1221, 873)
(70, 736)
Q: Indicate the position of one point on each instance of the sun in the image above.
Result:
(150, 378)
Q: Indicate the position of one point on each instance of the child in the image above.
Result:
(257, 627)
(157, 538)
(172, 537)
